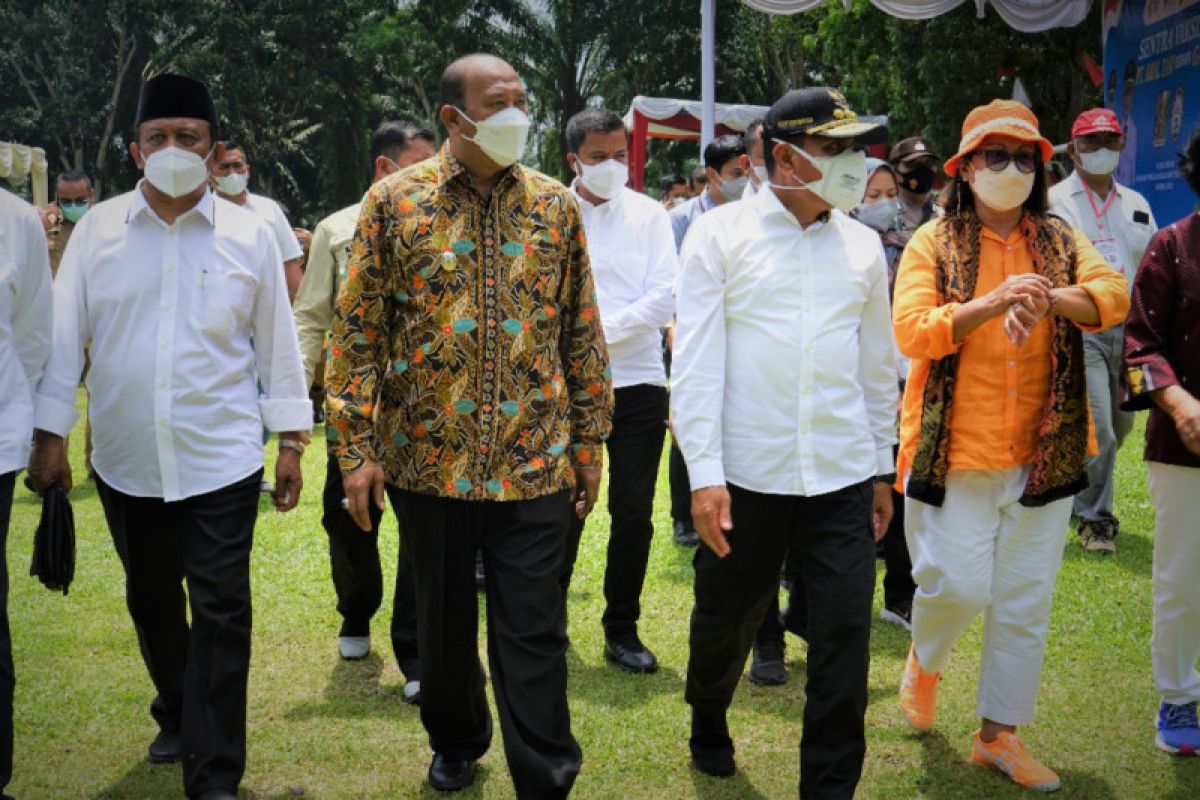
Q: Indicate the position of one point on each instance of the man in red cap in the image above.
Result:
(1119, 223)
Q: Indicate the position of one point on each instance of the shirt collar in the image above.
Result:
(205, 207)
(769, 205)
(1078, 187)
(450, 168)
(587, 205)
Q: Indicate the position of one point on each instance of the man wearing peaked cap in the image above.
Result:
(915, 163)
(792, 453)
(1119, 222)
(182, 297)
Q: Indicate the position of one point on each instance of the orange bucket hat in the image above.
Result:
(1002, 117)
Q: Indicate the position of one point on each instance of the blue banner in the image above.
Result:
(1152, 81)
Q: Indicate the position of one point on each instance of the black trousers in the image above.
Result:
(522, 543)
(835, 552)
(358, 579)
(200, 673)
(681, 487)
(8, 679)
(898, 584)
(634, 452)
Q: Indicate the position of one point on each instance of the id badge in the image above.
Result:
(1111, 250)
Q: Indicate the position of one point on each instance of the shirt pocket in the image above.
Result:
(224, 301)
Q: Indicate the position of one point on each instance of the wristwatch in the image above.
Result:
(889, 478)
(292, 444)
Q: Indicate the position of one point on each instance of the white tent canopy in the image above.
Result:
(18, 162)
(1025, 15)
(659, 109)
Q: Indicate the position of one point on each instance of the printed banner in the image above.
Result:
(1152, 69)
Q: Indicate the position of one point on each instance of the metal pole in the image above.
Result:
(708, 38)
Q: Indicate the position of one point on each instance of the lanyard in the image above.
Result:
(1101, 213)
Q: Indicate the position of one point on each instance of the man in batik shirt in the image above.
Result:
(468, 373)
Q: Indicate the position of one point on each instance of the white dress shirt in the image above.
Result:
(632, 251)
(25, 324)
(185, 321)
(784, 371)
(1122, 229)
(289, 246)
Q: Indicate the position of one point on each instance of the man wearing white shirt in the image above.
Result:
(25, 332)
(752, 161)
(784, 400)
(182, 298)
(1119, 222)
(632, 250)
(725, 180)
(230, 177)
(353, 553)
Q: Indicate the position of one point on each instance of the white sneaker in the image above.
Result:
(354, 648)
(412, 692)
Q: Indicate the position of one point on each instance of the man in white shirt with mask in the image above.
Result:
(193, 352)
(632, 250)
(1119, 223)
(230, 177)
(784, 400)
(752, 162)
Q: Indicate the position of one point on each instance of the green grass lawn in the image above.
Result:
(322, 728)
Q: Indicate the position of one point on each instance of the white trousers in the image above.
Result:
(982, 551)
(1175, 646)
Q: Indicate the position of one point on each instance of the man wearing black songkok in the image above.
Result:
(193, 351)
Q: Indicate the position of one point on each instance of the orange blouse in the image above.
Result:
(1001, 391)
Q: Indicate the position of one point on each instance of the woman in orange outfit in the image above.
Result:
(989, 304)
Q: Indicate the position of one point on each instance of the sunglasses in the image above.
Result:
(998, 160)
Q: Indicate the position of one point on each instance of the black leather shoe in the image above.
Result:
(450, 775)
(631, 656)
(713, 757)
(167, 748)
(766, 666)
(218, 794)
(685, 535)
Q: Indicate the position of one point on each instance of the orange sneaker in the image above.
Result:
(1008, 755)
(918, 693)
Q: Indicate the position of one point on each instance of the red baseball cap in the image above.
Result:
(1096, 120)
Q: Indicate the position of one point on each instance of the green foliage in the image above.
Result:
(301, 83)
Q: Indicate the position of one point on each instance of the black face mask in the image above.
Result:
(919, 180)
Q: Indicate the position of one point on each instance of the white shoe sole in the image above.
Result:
(1182, 752)
(354, 648)
(887, 615)
(412, 692)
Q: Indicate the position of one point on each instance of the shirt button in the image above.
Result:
(1012, 392)
(1012, 363)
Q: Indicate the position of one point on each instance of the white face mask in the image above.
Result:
(232, 184)
(733, 188)
(501, 136)
(878, 215)
(1100, 162)
(606, 179)
(176, 172)
(1004, 190)
(843, 177)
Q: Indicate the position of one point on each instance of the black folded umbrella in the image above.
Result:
(54, 543)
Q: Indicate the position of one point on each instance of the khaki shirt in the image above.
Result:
(326, 270)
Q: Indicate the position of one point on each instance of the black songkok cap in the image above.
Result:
(167, 95)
